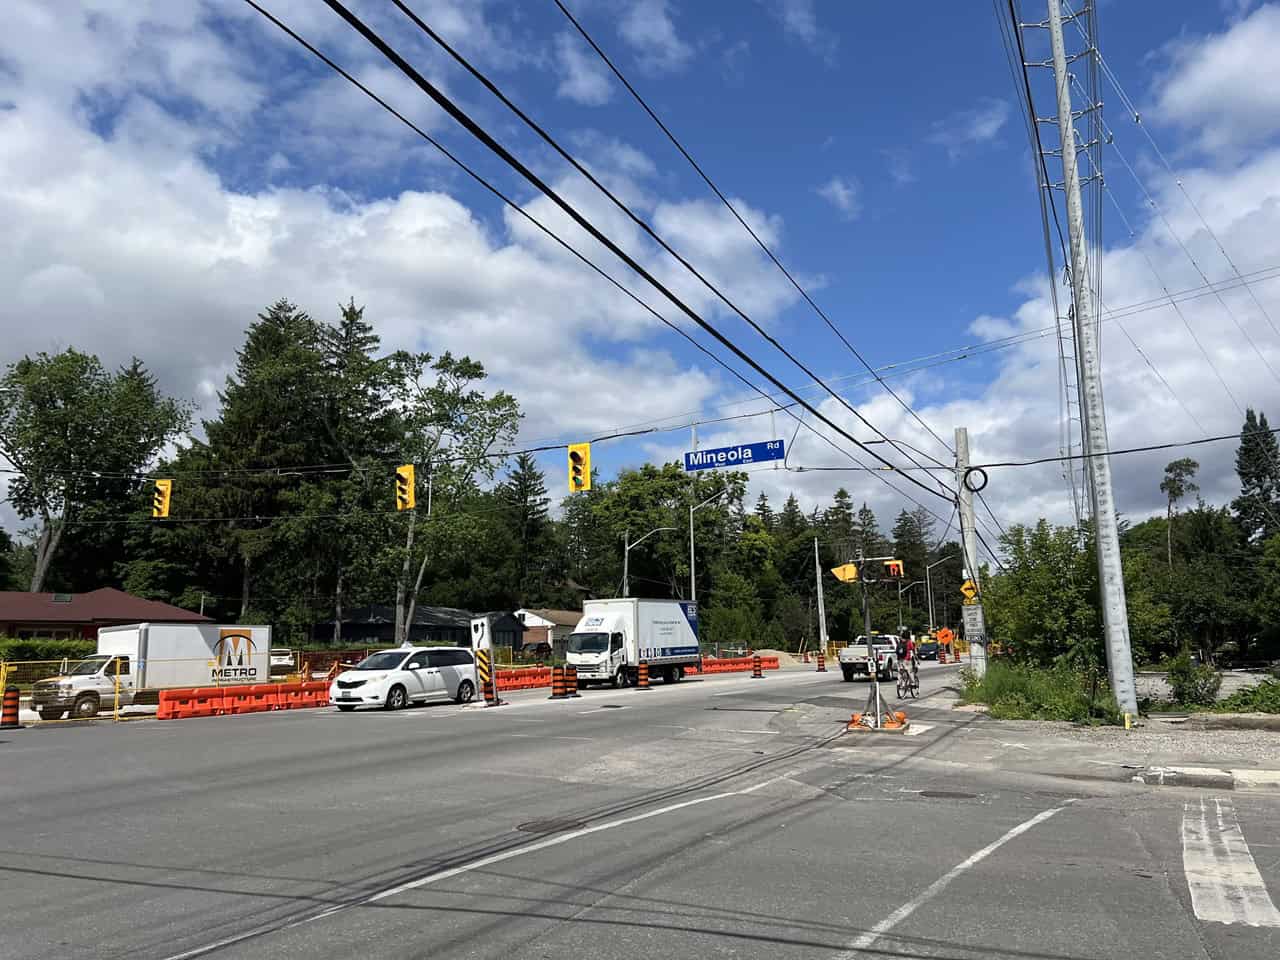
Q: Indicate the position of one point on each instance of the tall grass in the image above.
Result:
(1024, 692)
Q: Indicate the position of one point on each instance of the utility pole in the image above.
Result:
(969, 543)
(1115, 614)
(822, 610)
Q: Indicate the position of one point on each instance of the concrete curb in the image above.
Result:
(1208, 778)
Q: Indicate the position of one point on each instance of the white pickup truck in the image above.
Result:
(854, 658)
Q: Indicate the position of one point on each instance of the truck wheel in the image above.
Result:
(86, 707)
(620, 678)
(847, 673)
(671, 675)
(396, 698)
(466, 692)
(51, 713)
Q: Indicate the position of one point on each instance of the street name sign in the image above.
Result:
(736, 456)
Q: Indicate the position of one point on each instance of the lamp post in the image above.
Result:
(928, 584)
(901, 591)
(693, 560)
(626, 555)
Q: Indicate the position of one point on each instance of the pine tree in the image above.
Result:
(524, 495)
(839, 527)
(791, 521)
(1258, 467)
(765, 512)
(870, 541)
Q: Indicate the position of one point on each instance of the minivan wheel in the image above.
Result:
(86, 707)
(466, 692)
(396, 698)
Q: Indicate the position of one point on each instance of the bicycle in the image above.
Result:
(908, 680)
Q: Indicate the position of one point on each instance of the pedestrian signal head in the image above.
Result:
(160, 498)
(406, 495)
(893, 569)
(579, 467)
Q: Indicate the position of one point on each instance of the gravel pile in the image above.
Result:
(1159, 742)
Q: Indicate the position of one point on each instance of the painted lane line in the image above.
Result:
(546, 736)
(859, 946)
(918, 728)
(1224, 882)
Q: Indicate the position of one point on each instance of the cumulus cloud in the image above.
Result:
(799, 19)
(648, 29)
(583, 77)
(845, 194)
(1225, 88)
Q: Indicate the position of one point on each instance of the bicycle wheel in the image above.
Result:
(903, 685)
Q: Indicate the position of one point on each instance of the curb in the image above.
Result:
(1208, 778)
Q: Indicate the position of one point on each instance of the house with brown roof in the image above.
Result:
(79, 615)
(548, 627)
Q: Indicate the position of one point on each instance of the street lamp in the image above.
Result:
(928, 585)
(626, 555)
(693, 572)
(901, 591)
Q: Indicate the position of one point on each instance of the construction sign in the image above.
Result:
(969, 589)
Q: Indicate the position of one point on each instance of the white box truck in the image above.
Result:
(149, 657)
(613, 636)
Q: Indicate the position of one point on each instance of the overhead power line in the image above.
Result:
(458, 114)
(568, 247)
(745, 225)
(1115, 453)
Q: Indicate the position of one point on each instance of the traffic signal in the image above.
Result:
(579, 467)
(893, 569)
(846, 572)
(406, 497)
(160, 499)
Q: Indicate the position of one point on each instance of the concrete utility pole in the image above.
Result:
(969, 542)
(1115, 613)
(822, 610)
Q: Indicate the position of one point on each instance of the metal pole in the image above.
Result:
(872, 674)
(928, 589)
(1115, 614)
(969, 541)
(626, 550)
(693, 561)
(822, 611)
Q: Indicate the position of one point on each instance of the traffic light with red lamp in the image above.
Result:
(893, 569)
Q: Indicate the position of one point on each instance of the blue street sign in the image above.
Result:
(742, 455)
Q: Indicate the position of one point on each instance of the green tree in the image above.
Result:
(1258, 467)
(765, 512)
(524, 497)
(1178, 482)
(79, 438)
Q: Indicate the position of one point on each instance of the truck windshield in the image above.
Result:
(386, 660)
(86, 668)
(588, 642)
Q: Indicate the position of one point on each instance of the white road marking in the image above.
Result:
(1256, 778)
(1225, 884)
(859, 946)
(918, 728)
(546, 736)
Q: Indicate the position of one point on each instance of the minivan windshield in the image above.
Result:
(385, 660)
(588, 642)
(86, 668)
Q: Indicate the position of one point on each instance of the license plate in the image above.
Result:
(347, 696)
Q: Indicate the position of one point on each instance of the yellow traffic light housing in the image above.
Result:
(160, 497)
(579, 467)
(846, 572)
(406, 494)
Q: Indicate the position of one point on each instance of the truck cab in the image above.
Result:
(599, 651)
(84, 688)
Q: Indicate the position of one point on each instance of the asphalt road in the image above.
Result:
(722, 817)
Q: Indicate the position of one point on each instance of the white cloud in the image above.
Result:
(647, 28)
(1225, 88)
(584, 77)
(845, 194)
(898, 162)
(799, 19)
(971, 127)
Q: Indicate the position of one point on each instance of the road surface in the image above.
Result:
(721, 817)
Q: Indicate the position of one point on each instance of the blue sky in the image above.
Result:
(175, 166)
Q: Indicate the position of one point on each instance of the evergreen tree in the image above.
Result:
(765, 512)
(1258, 467)
(524, 496)
(839, 527)
(791, 521)
(870, 542)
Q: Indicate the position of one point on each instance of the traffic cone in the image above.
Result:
(756, 672)
(642, 680)
(558, 691)
(822, 662)
(571, 681)
(9, 714)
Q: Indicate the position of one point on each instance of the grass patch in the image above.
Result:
(1025, 692)
(1264, 698)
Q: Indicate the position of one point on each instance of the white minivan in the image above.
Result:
(393, 679)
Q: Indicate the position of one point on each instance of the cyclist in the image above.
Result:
(907, 655)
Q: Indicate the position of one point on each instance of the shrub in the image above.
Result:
(1191, 684)
(46, 649)
(1264, 698)
(1025, 692)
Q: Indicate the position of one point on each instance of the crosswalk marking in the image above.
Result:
(1225, 884)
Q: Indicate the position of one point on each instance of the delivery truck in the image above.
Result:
(613, 636)
(136, 661)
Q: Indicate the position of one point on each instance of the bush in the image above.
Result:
(46, 649)
(1024, 692)
(1191, 684)
(1264, 698)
